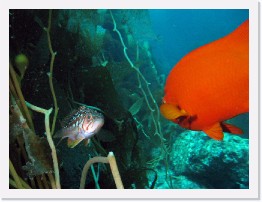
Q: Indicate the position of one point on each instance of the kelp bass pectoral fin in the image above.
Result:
(72, 143)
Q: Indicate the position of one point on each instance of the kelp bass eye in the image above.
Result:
(89, 117)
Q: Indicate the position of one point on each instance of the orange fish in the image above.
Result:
(210, 85)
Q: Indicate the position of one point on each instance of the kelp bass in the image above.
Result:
(81, 124)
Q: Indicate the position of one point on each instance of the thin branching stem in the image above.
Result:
(15, 175)
(154, 107)
(20, 96)
(49, 139)
(50, 75)
(100, 159)
(141, 76)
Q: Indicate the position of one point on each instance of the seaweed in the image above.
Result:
(39, 154)
(81, 56)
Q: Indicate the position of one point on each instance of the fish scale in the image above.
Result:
(80, 124)
(74, 117)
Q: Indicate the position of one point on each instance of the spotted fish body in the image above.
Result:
(81, 124)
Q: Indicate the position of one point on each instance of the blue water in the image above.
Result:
(180, 31)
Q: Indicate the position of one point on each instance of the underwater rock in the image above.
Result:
(214, 164)
(183, 182)
(178, 182)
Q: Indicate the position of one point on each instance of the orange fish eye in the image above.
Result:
(178, 107)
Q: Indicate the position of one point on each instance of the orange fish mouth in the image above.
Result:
(180, 119)
(179, 116)
(185, 121)
(171, 111)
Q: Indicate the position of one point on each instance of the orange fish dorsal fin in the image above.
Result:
(171, 112)
(72, 143)
(215, 132)
(231, 128)
(241, 33)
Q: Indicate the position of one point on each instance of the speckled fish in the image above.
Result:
(81, 124)
(210, 85)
